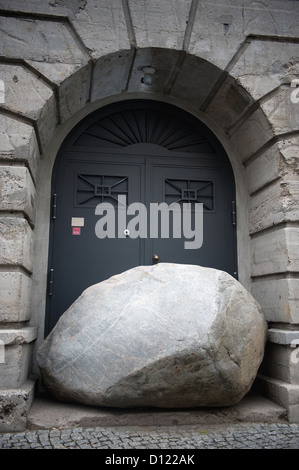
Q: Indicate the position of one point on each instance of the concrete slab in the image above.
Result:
(47, 413)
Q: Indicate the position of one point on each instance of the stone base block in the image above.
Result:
(14, 407)
(285, 394)
(15, 297)
(281, 362)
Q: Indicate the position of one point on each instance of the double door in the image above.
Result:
(107, 217)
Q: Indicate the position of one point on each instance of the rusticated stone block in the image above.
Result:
(282, 112)
(280, 160)
(264, 169)
(159, 24)
(16, 242)
(14, 407)
(39, 40)
(18, 143)
(281, 362)
(274, 204)
(14, 370)
(282, 393)
(15, 363)
(110, 74)
(278, 298)
(15, 297)
(218, 32)
(25, 94)
(17, 190)
(74, 92)
(102, 27)
(195, 80)
(275, 17)
(275, 252)
(265, 65)
(229, 104)
(251, 135)
(289, 162)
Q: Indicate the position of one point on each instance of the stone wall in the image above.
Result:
(232, 64)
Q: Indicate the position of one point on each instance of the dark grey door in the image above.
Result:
(79, 257)
(93, 169)
(191, 182)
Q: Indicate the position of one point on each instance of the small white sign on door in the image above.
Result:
(77, 222)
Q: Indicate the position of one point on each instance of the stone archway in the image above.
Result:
(249, 142)
(253, 148)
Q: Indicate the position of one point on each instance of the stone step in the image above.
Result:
(48, 413)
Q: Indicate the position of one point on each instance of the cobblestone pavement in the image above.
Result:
(238, 436)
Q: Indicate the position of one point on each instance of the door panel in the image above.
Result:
(79, 257)
(194, 184)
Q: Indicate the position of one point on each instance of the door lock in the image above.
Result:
(155, 259)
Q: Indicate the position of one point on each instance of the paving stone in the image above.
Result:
(242, 436)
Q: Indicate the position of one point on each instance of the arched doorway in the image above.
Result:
(149, 153)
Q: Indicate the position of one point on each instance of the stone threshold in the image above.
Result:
(47, 413)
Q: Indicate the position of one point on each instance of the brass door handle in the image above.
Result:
(155, 259)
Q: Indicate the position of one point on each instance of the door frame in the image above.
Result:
(73, 135)
(39, 278)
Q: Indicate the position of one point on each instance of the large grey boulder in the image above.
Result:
(167, 335)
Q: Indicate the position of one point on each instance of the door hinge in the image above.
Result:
(51, 281)
(234, 215)
(54, 206)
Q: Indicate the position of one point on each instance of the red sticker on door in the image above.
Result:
(76, 231)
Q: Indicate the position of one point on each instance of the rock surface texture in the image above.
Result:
(166, 335)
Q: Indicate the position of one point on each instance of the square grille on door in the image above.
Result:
(94, 189)
(186, 190)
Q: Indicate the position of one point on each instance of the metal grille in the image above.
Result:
(186, 190)
(93, 189)
(133, 126)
